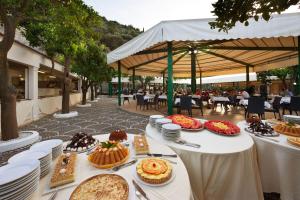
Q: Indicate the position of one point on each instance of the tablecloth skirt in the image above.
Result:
(223, 176)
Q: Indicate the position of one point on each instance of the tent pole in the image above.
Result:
(164, 85)
(247, 75)
(200, 80)
(119, 83)
(298, 70)
(133, 78)
(193, 71)
(170, 79)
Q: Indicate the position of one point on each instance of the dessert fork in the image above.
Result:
(183, 142)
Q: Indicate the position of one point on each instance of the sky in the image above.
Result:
(147, 13)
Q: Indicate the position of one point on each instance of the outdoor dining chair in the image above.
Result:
(275, 107)
(199, 105)
(294, 105)
(140, 101)
(154, 102)
(256, 105)
(185, 104)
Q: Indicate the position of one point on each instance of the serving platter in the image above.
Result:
(274, 134)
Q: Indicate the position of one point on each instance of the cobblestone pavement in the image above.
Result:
(103, 117)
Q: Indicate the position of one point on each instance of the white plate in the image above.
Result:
(173, 127)
(17, 170)
(156, 116)
(163, 121)
(47, 143)
(30, 155)
(136, 177)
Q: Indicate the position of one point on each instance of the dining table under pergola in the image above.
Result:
(190, 48)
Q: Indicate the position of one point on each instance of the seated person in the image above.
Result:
(245, 95)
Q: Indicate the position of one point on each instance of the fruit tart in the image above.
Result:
(108, 154)
(81, 142)
(222, 127)
(185, 122)
(288, 128)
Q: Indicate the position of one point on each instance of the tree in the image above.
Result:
(90, 65)
(229, 12)
(144, 80)
(64, 32)
(282, 74)
(12, 14)
(264, 77)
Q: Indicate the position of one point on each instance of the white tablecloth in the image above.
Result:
(126, 95)
(164, 97)
(223, 168)
(244, 102)
(177, 101)
(84, 170)
(279, 165)
(286, 100)
(220, 99)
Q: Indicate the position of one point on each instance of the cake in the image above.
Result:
(288, 128)
(222, 127)
(253, 119)
(154, 170)
(108, 154)
(81, 142)
(294, 140)
(118, 135)
(64, 171)
(102, 187)
(140, 144)
(185, 122)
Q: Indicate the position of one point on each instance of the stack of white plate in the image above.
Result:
(160, 122)
(171, 131)
(56, 145)
(291, 118)
(43, 155)
(19, 180)
(153, 118)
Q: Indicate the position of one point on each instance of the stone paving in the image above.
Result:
(103, 117)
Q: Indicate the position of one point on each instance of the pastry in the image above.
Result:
(108, 154)
(102, 187)
(118, 135)
(64, 171)
(81, 142)
(222, 127)
(288, 128)
(154, 170)
(185, 122)
(252, 119)
(140, 144)
(294, 140)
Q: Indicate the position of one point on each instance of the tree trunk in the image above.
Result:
(92, 92)
(66, 87)
(84, 89)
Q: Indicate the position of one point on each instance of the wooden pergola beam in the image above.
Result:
(175, 61)
(235, 48)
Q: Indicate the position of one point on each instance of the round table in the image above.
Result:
(84, 170)
(279, 164)
(223, 168)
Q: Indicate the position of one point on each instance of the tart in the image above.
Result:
(154, 170)
(140, 144)
(288, 128)
(294, 140)
(108, 154)
(222, 127)
(64, 171)
(185, 122)
(118, 135)
(81, 142)
(102, 187)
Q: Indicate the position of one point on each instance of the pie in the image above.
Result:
(294, 140)
(185, 122)
(222, 127)
(102, 187)
(288, 128)
(154, 170)
(64, 171)
(108, 154)
(140, 144)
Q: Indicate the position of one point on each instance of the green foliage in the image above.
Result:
(144, 80)
(264, 77)
(281, 73)
(229, 12)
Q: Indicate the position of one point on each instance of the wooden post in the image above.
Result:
(193, 71)
(170, 79)
(200, 80)
(119, 83)
(133, 79)
(298, 70)
(247, 75)
(164, 82)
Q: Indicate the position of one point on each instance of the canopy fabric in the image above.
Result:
(261, 45)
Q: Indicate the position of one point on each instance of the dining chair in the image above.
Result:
(275, 107)
(185, 104)
(140, 101)
(294, 105)
(256, 105)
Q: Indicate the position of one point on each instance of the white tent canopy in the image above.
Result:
(261, 45)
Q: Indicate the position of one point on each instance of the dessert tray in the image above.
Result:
(81, 142)
(260, 128)
(103, 186)
(220, 127)
(288, 128)
(186, 123)
(294, 141)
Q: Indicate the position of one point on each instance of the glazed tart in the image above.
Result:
(154, 170)
(294, 140)
(288, 128)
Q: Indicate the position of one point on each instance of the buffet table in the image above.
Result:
(222, 168)
(279, 164)
(179, 188)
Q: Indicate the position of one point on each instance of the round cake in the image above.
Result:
(154, 170)
(108, 154)
(253, 119)
(288, 128)
(118, 135)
